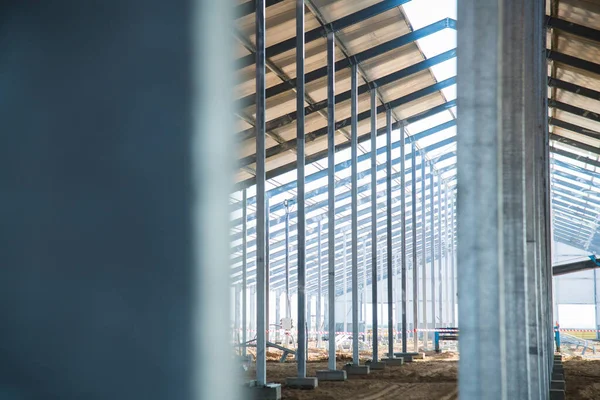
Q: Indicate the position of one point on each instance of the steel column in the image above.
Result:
(388, 180)
(374, 280)
(446, 259)
(288, 310)
(493, 363)
(440, 244)
(331, 195)
(261, 270)
(403, 232)
(244, 270)
(423, 250)
(320, 286)
(432, 249)
(415, 292)
(267, 262)
(301, 350)
(354, 180)
(452, 267)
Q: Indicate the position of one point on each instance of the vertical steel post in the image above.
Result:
(331, 195)
(288, 306)
(244, 270)
(424, 250)
(261, 342)
(277, 315)
(267, 264)
(414, 247)
(452, 267)
(354, 179)
(440, 244)
(374, 281)
(403, 231)
(319, 285)
(432, 248)
(236, 317)
(301, 351)
(345, 284)
(493, 363)
(388, 180)
(363, 307)
(446, 258)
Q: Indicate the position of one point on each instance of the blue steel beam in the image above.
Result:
(314, 135)
(323, 154)
(320, 32)
(573, 61)
(365, 55)
(345, 96)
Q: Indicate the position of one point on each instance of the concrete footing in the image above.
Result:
(271, 391)
(408, 357)
(556, 394)
(332, 375)
(556, 376)
(302, 383)
(559, 385)
(352, 369)
(394, 362)
(379, 365)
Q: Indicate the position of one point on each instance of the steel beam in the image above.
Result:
(374, 279)
(573, 110)
(573, 28)
(249, 7)
(331, 194)
(390, 300)
(574, 156)
(261, 270)
(311, 136)
(345, 96)
(575, 128)
(573, 88)
(354, 60)
(323, 154)
(301, 203)
(354, 178)
(573, 61)
(320, 32)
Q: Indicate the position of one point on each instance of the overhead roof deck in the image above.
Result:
(573, 43)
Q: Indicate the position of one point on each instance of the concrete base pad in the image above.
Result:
(394, 362)
(408, 357)
(556, 394)
(302, 383)
(271, 391)
(357, 369)
(376, 365)
(558, 376)
(331, 375)
(559, 385)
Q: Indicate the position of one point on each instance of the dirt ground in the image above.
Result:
(582, 378)
(432, 378)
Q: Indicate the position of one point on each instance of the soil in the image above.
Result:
(582, 378)
(432, 378)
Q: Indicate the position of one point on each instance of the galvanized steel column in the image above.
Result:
(354, 206)
(301, 351)
(244, 270)
(261, 323)
(331, 195)
(403, 231)
(440, 244)
(448, 318)
(452, 266)
(414, 247)
(493, 363)
(374, 280)
(423, 250)
(432, 249)
(388, 181)
(319, 286)
(512, 145)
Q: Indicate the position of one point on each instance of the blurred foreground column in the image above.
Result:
(115, 121)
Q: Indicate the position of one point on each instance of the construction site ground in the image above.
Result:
(435, 377)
